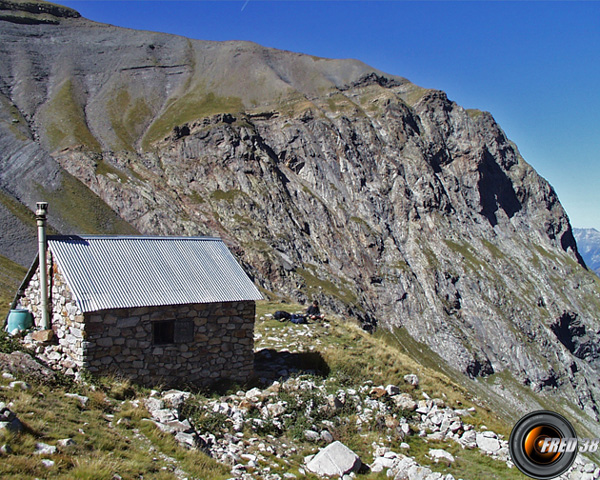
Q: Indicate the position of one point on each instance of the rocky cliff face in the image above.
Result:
(328, 179)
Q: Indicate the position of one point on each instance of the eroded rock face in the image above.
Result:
(328, 180)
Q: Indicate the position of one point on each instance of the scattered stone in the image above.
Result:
(66, 442)
(412, 379)
(9, 421)
(152, 404)
(335, 459)
(392, 390)
(405, 402)
(326, 436)
(19, 385)
(47, 463)
(175, 398)
(311, 436)
(44, 449)
(22, 363)
(165, 415)
(487, 443)
(437, 454)
(188, 440)
(82, 399)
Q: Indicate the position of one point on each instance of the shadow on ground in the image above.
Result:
(271, 365)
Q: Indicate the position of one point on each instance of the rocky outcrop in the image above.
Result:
(328, 179)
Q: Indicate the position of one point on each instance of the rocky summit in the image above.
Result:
(329, 180)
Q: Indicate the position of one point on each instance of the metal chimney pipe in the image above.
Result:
(40, 216)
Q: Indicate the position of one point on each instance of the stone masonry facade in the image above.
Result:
(159, 345)
(210, 342)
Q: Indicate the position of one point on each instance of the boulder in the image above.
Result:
(42, 336)
(437, 454)
(335, 459)
(44, 449)
(9, 421)
(487, 443)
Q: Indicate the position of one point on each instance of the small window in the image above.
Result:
(163, 332)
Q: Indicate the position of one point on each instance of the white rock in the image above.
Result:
(67, 442)
(19, 385)
(253, 393)
(44, 449)
(487, 444)
(175, 398)
(335, 459)
(411, 379)
(82, 400)
(417, 472)
(392, 390)
(153, 404)
(165, 415)
(405, 402)
(437, 454)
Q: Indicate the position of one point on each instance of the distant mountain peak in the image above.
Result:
(588, 242)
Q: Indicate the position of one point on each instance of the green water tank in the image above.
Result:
(19, 319)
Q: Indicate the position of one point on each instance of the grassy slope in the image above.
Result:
(111, 435)
(353, 357)
(11, 276)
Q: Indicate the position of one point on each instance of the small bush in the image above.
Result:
(9, 344)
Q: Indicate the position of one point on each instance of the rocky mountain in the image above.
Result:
(588, 242)
(328, 179)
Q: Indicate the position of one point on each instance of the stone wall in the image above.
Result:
(67, 320)
(211, 342)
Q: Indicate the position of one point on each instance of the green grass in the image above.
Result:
(472, 260)
(20, 211)
(11, 276)
(104, 168)
(67, 123)
(104, 431)
(228, 196)
(469, 463)
(412, 96)
(316, 285)
(196, 103)
(354, 357)
(474, 113)
(91, 216)
(128, 117)
(494, 250)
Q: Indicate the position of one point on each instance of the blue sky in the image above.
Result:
(534, 65)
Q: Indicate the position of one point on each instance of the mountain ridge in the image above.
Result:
(327, 178)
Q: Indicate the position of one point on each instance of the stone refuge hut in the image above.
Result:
(156, 310)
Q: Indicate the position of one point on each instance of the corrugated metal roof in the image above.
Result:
(106, 272)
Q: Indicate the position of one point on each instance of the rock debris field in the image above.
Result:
(266, 432)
